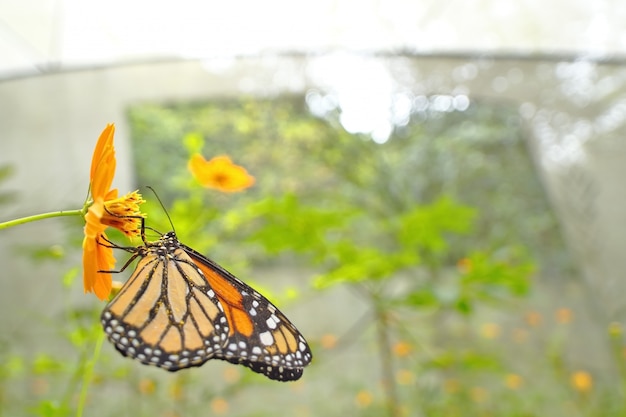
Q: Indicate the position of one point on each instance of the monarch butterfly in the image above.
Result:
(179, 309)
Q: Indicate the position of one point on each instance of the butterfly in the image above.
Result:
(179, 309)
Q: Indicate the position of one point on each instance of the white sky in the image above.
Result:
(83, 32)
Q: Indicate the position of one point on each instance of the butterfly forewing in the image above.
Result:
(166, 314)
(260, 336)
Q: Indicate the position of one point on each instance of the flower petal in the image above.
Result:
(105, 141)
(103, 163)
(96, 257)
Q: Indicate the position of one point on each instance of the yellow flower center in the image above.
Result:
(123, 213)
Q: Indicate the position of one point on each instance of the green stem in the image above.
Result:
(88, 375)
(388, 380)
(42, 216)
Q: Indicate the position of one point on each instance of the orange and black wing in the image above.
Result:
(260, 336)
(166, 314)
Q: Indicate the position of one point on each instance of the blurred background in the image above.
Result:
(437, 203)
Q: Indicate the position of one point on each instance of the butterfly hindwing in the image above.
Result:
(166, 314)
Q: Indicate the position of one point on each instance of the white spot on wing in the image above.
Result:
(271, 323)
(266, 338)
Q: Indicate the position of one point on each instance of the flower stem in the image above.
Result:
(88, 375)
(28, 219)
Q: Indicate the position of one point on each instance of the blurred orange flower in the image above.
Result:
(402, 349)
(563, 315)
(328, 341)
(364, 398)
(220, 173)
(147, 386)
(490, 330)
(405, 377)
(513, 381)
(231, 374)
(105, 210)
(533, 318)
(219, 405)
(464, 265)
(581, 381)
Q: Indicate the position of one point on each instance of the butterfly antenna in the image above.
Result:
(162, 206)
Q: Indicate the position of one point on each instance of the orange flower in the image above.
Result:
(219, 405)
(405, 377)
(106, 210)
(364, 399)
(513, 381)
(220, 173)
(581, 381)
(533, 318)
(402, 349)
(564, 315)
(490, 330)
(464, 265)
(147, 386)
(328, 341)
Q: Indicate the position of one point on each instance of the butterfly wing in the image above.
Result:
(260, 336)
(166, 314)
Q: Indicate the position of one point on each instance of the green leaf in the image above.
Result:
(423, 297)
(79, 336)
(355, 263)
(466, 360)
(492, 276)
(290, 225)
(70, 276)
(12, 367)
(44, 253)
(45, 364)
(194, 142)
(426, 227)
(49, 408)
(463, 306)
